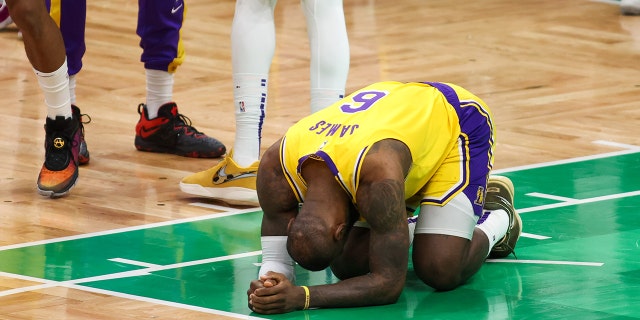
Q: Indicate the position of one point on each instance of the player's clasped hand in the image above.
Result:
(274, 293)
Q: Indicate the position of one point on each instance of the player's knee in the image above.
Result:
(26, 14)
(440, 276)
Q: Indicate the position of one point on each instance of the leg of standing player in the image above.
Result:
(161, 127)
(330, 56)
(45, 50)
(253, 45)
(71, 16)
(253, 42)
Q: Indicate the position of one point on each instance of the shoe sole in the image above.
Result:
(190, 154)
(53, 195)
(231, 195)
(630, 11)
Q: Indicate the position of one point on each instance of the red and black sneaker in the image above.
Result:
(83, 152)
(171, 132)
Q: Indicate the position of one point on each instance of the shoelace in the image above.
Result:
(513, 251)
(184, 121)
(82, 123)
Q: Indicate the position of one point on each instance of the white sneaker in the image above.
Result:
(630, 7)
(5, 19)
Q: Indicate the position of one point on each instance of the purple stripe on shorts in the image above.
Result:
(476, 124)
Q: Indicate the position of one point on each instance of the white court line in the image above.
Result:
(124, 274)
(616, 144)
(572, 263)
(216, 207)
(565, 203)
(44, 283)
(581, 201)
(230, 212)
(534, 236)
(162, 302)
(550, 196)
(47, 284)
(134, 262)
(566, 161)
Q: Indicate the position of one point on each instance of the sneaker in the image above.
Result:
(225, 181)
(5, 18)
(62, 144)
(83, 152)
(171, 132)
(500, 196)
(630, 7)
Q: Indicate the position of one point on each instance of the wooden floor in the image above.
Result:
(562, 78)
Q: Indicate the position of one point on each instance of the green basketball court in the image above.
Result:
(579, 257)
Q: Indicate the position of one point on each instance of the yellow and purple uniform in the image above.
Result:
(71, 16)
(159, 26)
(447, 129)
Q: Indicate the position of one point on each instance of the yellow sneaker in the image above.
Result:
(226, 181)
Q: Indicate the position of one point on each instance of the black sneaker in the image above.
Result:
(171, 132)
(500, 196)
(60, 169)
(83, 152)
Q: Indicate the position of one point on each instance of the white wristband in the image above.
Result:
(276, 258)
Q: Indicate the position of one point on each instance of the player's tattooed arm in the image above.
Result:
(380, 200)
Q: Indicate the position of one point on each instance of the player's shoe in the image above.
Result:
(171, 132)
(62, 145)
(500, 196)
(5, 18)
(226, 181)
(83, 152)
(630, 7)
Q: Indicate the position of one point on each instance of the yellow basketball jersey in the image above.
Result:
(417, 114)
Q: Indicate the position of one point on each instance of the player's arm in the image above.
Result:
(380, 199)
(279, 206)
(277, 200)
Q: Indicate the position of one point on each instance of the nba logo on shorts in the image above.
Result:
(241, 106)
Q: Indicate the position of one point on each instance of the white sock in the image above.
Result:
(495, 226)
(330, 56)
(72, 89)
(159, 90)
(253, 42)
(250, 100)
(55, 86)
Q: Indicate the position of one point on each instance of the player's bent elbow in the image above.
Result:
(389, 294)
(390, 297)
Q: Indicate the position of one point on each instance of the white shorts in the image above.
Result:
(456, 218)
